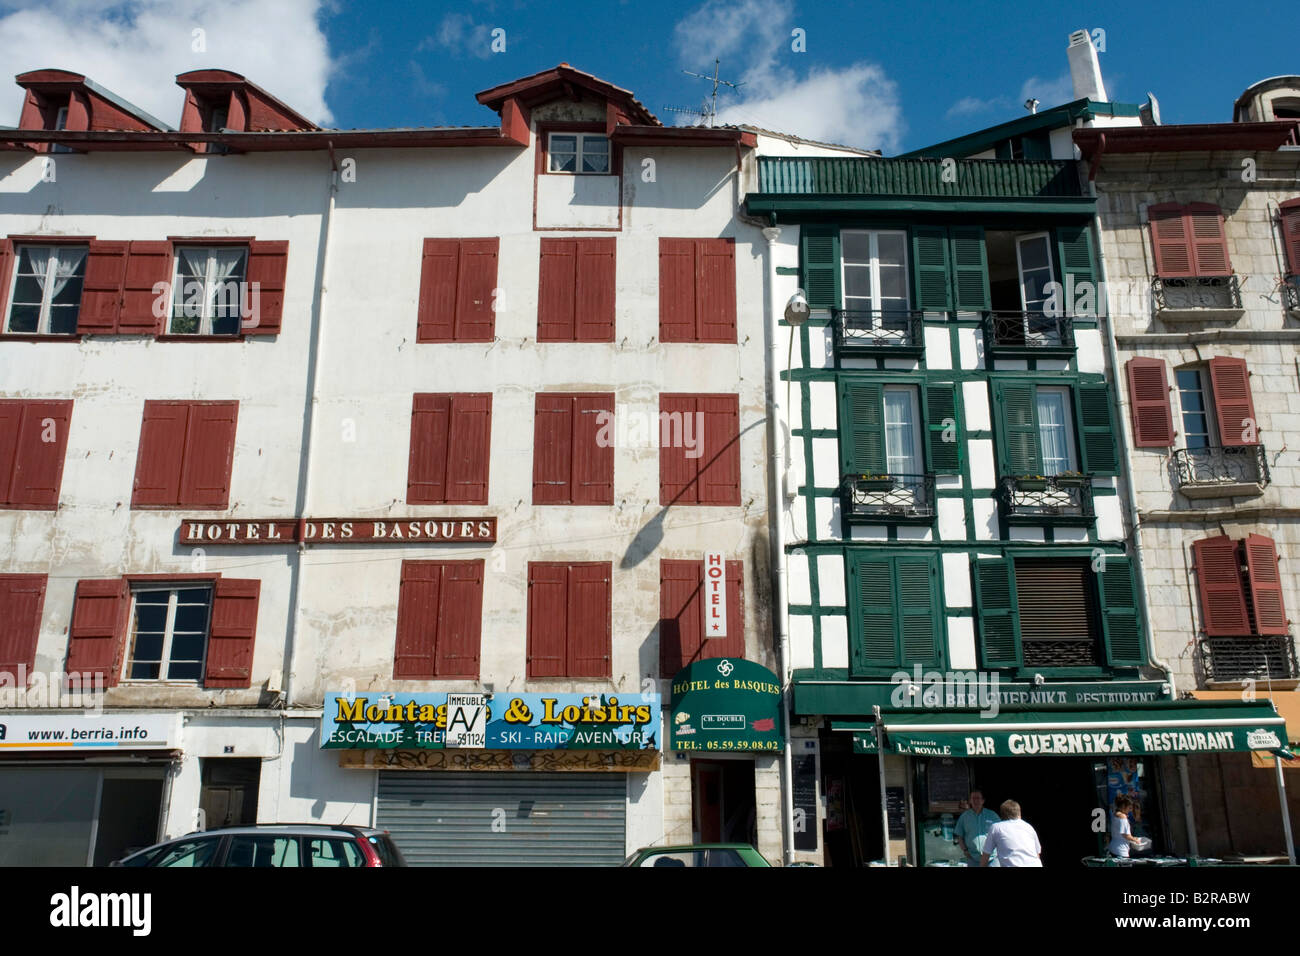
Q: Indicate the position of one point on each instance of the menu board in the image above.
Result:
(805, 799)
(896, 809)
(948, 784)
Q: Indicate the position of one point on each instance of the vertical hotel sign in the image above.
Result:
(715, 595)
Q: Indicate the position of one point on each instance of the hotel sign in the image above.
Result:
(195, 531)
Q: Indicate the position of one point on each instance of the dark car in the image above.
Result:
(314, 845)
(699, 854)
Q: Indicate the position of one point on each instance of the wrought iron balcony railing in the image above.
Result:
(1249, 658)
(888, 498)
(874, 332)
(1221, 472)
(1028, 333)
(1291, 292)
(1196, 297)
(1053, 499)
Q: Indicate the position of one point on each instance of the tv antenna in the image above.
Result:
(709, 110)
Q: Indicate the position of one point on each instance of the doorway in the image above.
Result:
(1057, 796)
(723, 808)
(229, 791)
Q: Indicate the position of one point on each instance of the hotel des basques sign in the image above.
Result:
(271, 531)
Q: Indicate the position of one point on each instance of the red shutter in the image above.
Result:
(233, 632)
(1208, 241)
(677, 472)
(677, 290)
(209, 455)
(553, 449)
(438, 270)
(557, 291)
(681, 616)
(1290, 236)
(98, 626)
(588, 652)
(593, 449)
(1218, 578)
(22, 596)
(1233, 408)
(6, 280)
(1148, 393)
(548, 586)
(594, 309)
(426, 476)
(1169, 240)
(1265, 585)
(101, 292)
(417, 620)
(468, 448)
(268, 262)
(160, 455)
(11, 426)
(476, 286)
(720, 442)
(460, 620)
(147, 265)
(42, 442)
(716, 284)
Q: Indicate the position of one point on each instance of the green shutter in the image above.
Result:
(918, 609)
(970, 269)
(1096, 429)
(1119, 614)
(999, 617)
(941, 406)
(862, 428)
(1018, 434)
(930, 268)
(1074, 255)
(871, 583)
(821, 266)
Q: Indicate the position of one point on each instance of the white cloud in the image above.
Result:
(459, 35)
(1049, 93)
(970, 105)
(135, 48)
(856, 105)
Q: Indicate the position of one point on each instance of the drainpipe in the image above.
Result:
(312, 391)
(1286, 812)
(776, 489)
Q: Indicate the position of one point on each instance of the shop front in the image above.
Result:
(82, 790)
(483, 779)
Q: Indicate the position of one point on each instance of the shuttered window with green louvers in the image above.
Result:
(930, 258)
(970, 269)
(1119, 613)
(862, 428)
(820, 260)
(895, 611)
(944, 438)
(1074, 254)
(1019, 440)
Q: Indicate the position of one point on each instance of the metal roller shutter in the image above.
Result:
(505, 819)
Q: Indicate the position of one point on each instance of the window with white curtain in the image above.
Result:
(46, 293)
(208, 290)
(1055, 436)
(902, 431)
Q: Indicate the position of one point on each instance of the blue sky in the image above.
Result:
(894, 76)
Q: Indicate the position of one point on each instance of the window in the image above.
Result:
(895, 610)
(22, 597)
(1041, 613)
(1034, 263)
(585, 153)
(568, 619)
(458, 286)
(697, 290)
(1240, 586)
(33, 445)
(875, 274)
(681, 615)
(1189, 241)
(450, 438)
(881, 429)
(699, 450)
(333, 854)
(1049, 429)
(46, 293)
(902, 431)
(1055, 431)
(1220, 431)
(439, 620)
(185, 455)
(208, 290)
(189, 853)
(1192, 399)
(1291, 237)
(169, 632)
(259, 850)
(1148, 392)
(575, 296)
(573, 449)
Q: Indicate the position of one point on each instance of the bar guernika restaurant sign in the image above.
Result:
(338, 531)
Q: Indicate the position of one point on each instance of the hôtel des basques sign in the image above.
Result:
(196, 531)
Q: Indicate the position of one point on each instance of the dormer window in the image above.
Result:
(580, 153)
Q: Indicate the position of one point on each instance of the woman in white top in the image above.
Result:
(1122, 840)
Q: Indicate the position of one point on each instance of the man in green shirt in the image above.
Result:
(972, 827)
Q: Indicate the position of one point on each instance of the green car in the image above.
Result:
(699, 854)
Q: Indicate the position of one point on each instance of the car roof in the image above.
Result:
(695, 846)
(304, 829)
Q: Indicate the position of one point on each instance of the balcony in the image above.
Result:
(1220, 472)
(915, 176)
(1291, 295)
(1048, 499)
(875, 332)
(1197, 299)
(1231, 660)
(887, 499)
(1028, 335)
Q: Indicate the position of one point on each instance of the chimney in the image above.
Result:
(1085, 71)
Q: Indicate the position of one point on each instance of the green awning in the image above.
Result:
(1181, 728)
